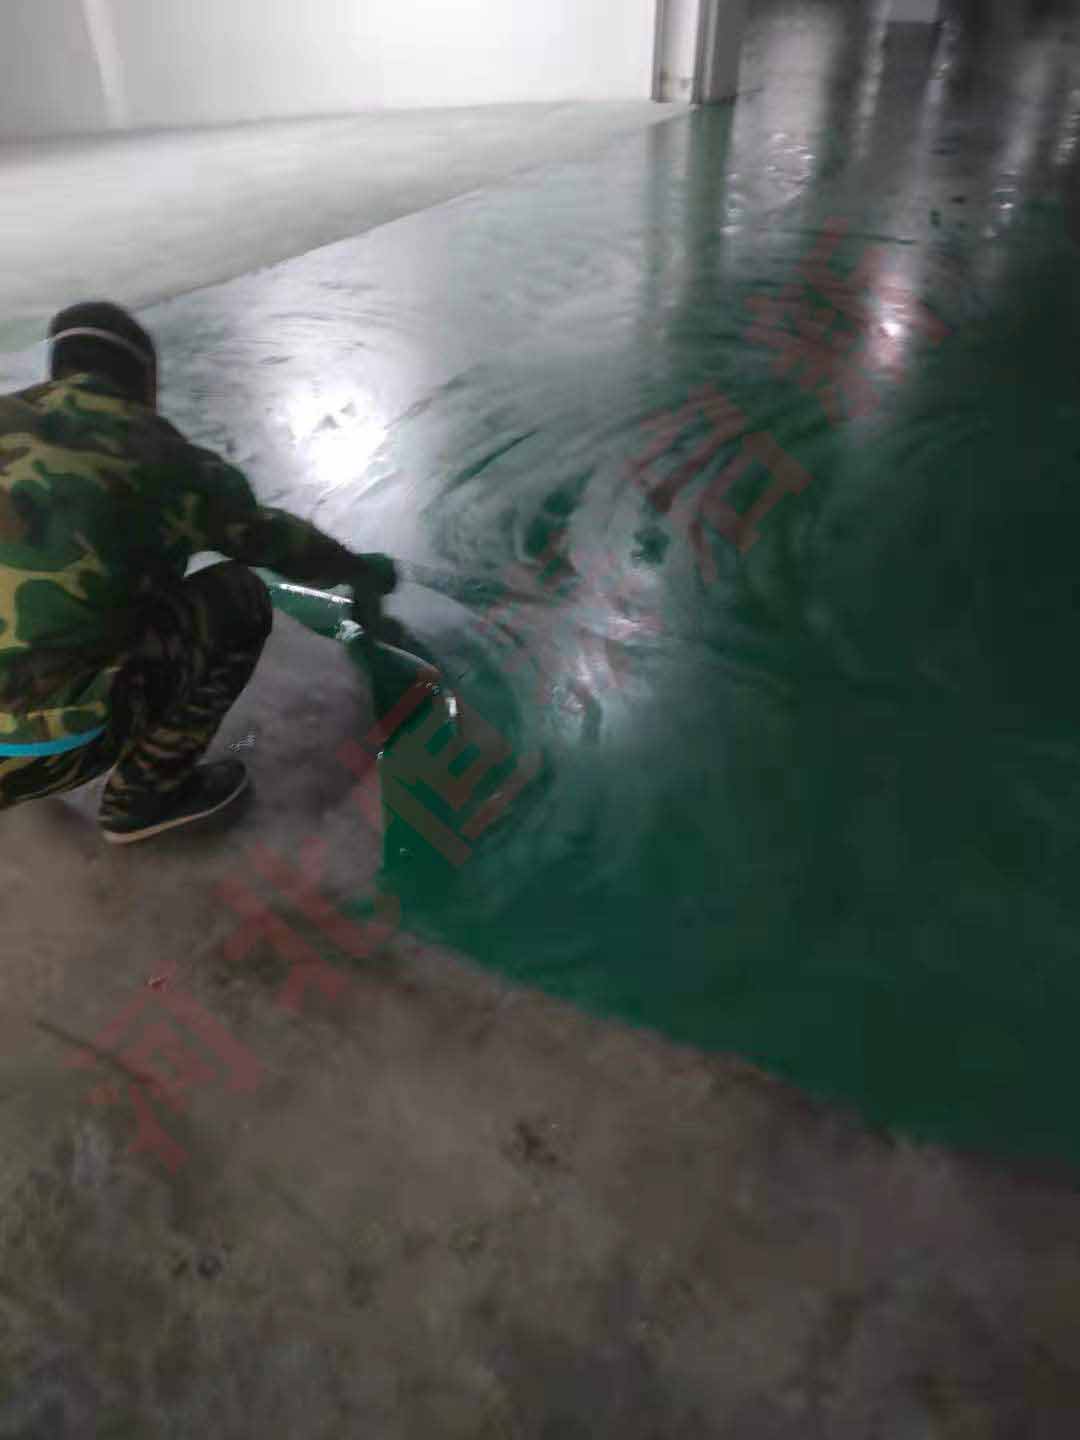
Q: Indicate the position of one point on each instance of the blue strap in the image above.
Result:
(51, 747)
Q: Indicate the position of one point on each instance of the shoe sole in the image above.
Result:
(113, 837)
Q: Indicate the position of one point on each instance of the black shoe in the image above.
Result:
(209, 790)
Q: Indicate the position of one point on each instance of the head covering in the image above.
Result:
(104, 339)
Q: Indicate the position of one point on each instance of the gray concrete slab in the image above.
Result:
(160, 213)
(439, 1206)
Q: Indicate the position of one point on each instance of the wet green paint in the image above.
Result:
(818, 803)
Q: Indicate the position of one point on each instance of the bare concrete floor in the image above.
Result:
(436, 1207)
(159, 214)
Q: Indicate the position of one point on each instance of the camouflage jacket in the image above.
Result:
(101, 499)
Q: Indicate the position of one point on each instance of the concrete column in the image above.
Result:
(926, 11)
(678, 24)
(698, 44)
(720, 50)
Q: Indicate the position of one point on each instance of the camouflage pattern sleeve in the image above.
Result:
(238, 526)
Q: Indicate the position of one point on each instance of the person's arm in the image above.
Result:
(290, 546)
(236, 525)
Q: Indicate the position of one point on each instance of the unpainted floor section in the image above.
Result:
(432, 1204)
(159, 214)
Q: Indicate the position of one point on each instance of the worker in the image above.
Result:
(112, 658)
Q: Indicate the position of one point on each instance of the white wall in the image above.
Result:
(195, 62)
(464, 51)
(205, 62)
(49, 82)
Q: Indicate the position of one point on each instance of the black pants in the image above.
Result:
(199, 644)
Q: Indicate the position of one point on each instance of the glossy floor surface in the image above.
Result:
(810, 798)
(813, 800)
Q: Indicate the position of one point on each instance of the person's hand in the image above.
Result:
(375, 573)
(372, 578)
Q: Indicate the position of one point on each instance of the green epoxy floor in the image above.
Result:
(816, 803)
